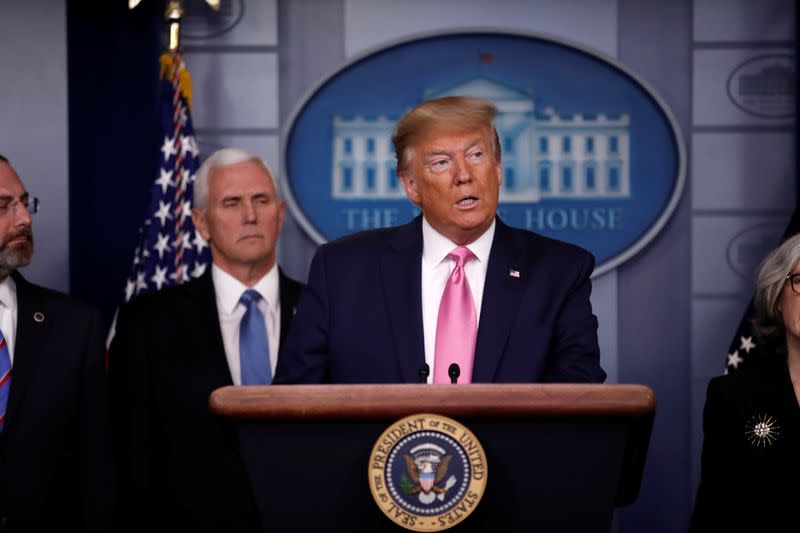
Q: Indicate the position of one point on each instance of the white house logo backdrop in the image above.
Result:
(590, 154)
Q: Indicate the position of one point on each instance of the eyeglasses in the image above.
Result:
(10, 205)
(794, 281)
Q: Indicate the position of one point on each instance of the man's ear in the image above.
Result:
(499, 173)
(410, 186)
(199, 219)
(281, 214)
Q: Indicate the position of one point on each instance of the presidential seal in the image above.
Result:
(427, 472)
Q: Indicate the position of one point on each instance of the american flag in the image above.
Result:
(745, 345)
(170, 250)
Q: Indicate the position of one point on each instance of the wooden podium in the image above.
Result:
(560, 457)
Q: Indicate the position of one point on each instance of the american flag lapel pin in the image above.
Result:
(513, 273)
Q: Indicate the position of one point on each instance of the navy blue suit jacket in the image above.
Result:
(55, 451)
(360, 318)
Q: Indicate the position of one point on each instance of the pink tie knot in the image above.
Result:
(461, 255)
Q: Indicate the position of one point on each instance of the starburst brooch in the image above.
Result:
(762, 430)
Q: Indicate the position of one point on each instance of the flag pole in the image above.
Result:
(173, 16)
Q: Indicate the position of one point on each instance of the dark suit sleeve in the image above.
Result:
(717, 466)
(575, 354)
(304, 358)
(130, 381)
(96, 460)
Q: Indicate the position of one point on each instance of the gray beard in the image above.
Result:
(13, 258)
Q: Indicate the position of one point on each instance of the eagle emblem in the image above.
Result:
(427, 469)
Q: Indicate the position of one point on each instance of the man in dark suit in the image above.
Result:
(181, 467)
(391, 305)
(55, 435)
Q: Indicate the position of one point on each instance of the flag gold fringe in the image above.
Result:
(167, 62)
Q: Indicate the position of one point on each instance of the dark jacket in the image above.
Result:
(360, 320)
(55, 451)
(180, 466)
(750, 474)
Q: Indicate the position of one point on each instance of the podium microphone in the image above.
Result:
(453, 371)
(423, 373)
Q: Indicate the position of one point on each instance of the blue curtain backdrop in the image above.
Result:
(114, 140)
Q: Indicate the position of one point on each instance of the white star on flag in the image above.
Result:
(186, 210)
(188, 144)
(180, 275)
(141, 284)
(164, 180)
(199, 242)
(163, 212)
(168, 148)
(182, 241)
(162, 245)
(734, 359)
(198, 269)
(160, 277)
(747, 344)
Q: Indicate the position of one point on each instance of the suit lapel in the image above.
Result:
(501, 298)
(289, 292)
(30, 343)
(401, 272)
(204, 323)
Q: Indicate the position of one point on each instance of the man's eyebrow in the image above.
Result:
(475, 143)
(435, 153)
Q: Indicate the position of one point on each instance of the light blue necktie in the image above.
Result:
(253, 343)
(5, 379)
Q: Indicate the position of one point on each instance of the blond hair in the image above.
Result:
(449, 113)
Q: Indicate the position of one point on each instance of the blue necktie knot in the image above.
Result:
(253, 342)
(250, 297)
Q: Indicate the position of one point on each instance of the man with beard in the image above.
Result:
(55, 445)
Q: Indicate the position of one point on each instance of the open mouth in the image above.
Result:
(469, 201)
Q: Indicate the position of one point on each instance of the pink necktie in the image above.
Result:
(457, 326)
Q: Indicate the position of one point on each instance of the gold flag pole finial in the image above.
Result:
(214, 4)
(173, 15)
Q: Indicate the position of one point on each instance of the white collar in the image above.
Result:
(229, 289)
(8, 293)
(436, 246)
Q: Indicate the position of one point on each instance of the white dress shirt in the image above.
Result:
(8, 313)
(436, 269)
(228, 291)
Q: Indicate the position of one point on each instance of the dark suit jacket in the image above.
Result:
(746, 484)
(360, 320)
(55, 452)
(180, 466)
